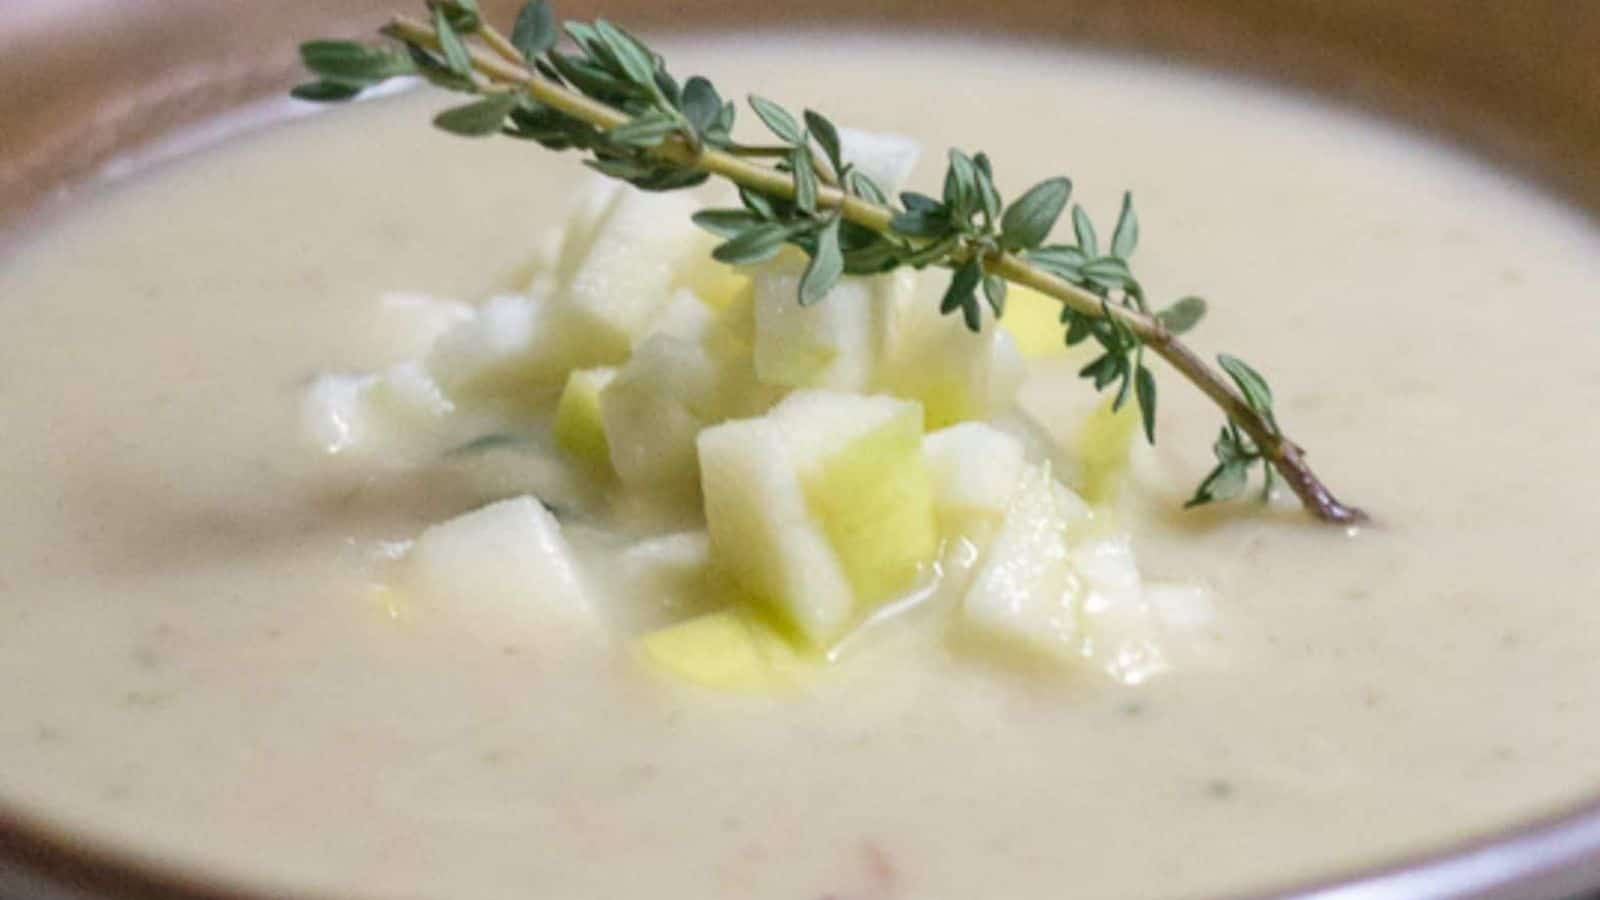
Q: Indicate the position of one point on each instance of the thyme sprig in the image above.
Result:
(611, 98)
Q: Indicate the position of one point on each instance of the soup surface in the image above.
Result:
(195, 670)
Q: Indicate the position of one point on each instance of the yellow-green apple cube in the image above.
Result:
(955, 374)
(763, 533)
(578, 427)
(860, 461)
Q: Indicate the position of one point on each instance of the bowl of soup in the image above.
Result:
(271, 622)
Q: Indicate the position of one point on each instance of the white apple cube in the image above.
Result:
(886, 158)
(653, 410)
(504, 573)
(821, 510)
(685, 316)
(671, 576)
(628, 271)
(514, 348)
(1027, 598)
(974, 469)
(840, 342)
(392, 415)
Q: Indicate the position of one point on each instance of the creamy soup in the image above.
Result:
(198, 668)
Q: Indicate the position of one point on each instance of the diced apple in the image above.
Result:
(504, 573)
(1026, 599)
(955, 374)
(974, 469)
(1034, 322)
(513, 349)
(861, 464)
(886, 158)
(632, 262)
(654, 409)
(397, 413)
(1103, 444)
(408, 325)
(762, 531)
(733, 649)
(671, 575)
(717, 284)
(685, 316)
(840, 342)
(595, 204)
(578, 427)
(822, 509)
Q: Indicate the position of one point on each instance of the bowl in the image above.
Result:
(96, 86)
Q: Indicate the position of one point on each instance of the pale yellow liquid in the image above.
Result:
(190, 666)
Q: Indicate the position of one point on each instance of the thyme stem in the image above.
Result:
(504, 66)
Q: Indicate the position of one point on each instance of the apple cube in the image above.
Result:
(503, 572)
(840, 342)
(628, 270)
(671, 575)
(733, 649)
(513, 348)
(974, 469)
(653, 410)
(1027, 596)
(395, 414)
(822, 509)
(1034, 322)
(886, 158)
(578, 428)
(955, 374)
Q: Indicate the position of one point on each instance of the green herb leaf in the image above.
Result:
(534, 33)
(777, 119)
(725, 223)
(862, 185)
(1084, 230)
(644, 131)
(1145, 389)
(994, 290)
(1029, 218)
(325, 91)
(479, 119)
(805, 179)
(702, 105)
(463, 14)
(826, 266)
(632, 59)
(962, 294)
(1254, 388)
(753, 245)
(1184, 315)
(1225, 482)
(827, 138)
(961, 192)
(350, 63)
(455, 52)
(1126, 237)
